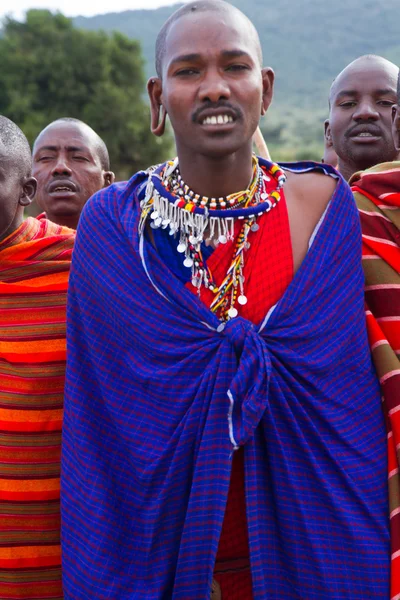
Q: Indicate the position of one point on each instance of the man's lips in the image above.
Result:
(62, 188)
(216, 117)
(365, 134)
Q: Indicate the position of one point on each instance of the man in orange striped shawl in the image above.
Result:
(34, 266)
(377, 192)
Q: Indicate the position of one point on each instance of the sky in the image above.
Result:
(72, 8)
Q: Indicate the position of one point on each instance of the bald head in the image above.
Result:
(360, 119)
(87, 130)
(70, 163)
(216, 7)
(367, 62)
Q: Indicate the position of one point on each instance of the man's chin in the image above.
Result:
(370, 157)
(63, 206)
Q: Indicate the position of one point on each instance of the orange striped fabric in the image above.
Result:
(377, 193)
(34, 270)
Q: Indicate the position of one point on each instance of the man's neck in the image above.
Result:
(14, 225)
(217, 177)
(70, 221)
(346, 170)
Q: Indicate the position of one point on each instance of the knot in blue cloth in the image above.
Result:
(237, 330)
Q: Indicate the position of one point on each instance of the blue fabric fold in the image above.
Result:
(158, 395)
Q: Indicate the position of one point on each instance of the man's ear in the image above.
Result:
(29, 186)
(396, 126)
(268, 77)
(327, 132)
(154, 90)
(108, 178)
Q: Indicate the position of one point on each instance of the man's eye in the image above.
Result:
(82, 158)
(348, 104)
(45, 158)
(237, 68)
(389, 103)
(186, 72)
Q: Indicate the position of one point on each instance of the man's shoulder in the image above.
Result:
(48, 228)
(110, 202)
(312, 184)
(375, 172)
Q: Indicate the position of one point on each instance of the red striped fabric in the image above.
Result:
(34, 270)
(377, 193)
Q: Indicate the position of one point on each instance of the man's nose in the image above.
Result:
(214, 87)
(366, 110)
(61, 167)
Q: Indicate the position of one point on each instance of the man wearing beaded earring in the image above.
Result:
(220, 383)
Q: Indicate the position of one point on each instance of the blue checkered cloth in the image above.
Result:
(158, 394)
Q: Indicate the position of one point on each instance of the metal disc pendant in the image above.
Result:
(255, 227)
(242, 300)
(181, 248)
(165, 223)
(188, 262)
(222, 239)
(232, 312)
(158, 222)
(154, 214)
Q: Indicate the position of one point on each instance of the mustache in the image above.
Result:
(370, 128)
(216, 106)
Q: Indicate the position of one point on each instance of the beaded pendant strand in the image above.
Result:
(193, 219)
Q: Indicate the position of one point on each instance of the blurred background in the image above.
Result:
(94, 67)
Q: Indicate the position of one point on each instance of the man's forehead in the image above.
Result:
(62, 135)
(369, 76)
(226, 31)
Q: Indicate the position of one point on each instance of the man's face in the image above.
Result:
(213, 87)
(67, 167)
(360, 117)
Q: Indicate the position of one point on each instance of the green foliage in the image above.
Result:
(50, 69)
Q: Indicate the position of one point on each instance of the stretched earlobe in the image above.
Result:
(158, 112)
(158, 121)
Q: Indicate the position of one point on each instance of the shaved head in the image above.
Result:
(360, 119)
(366, 61)
(213, 6)
(101, 148)
(16, 146)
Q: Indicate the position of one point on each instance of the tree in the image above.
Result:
(50, 69)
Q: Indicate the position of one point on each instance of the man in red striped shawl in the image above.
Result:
(35, 257)
(377, 192)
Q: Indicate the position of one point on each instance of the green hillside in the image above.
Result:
(307, 42)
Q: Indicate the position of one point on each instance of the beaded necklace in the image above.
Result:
(194, 219)
(177, 186)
